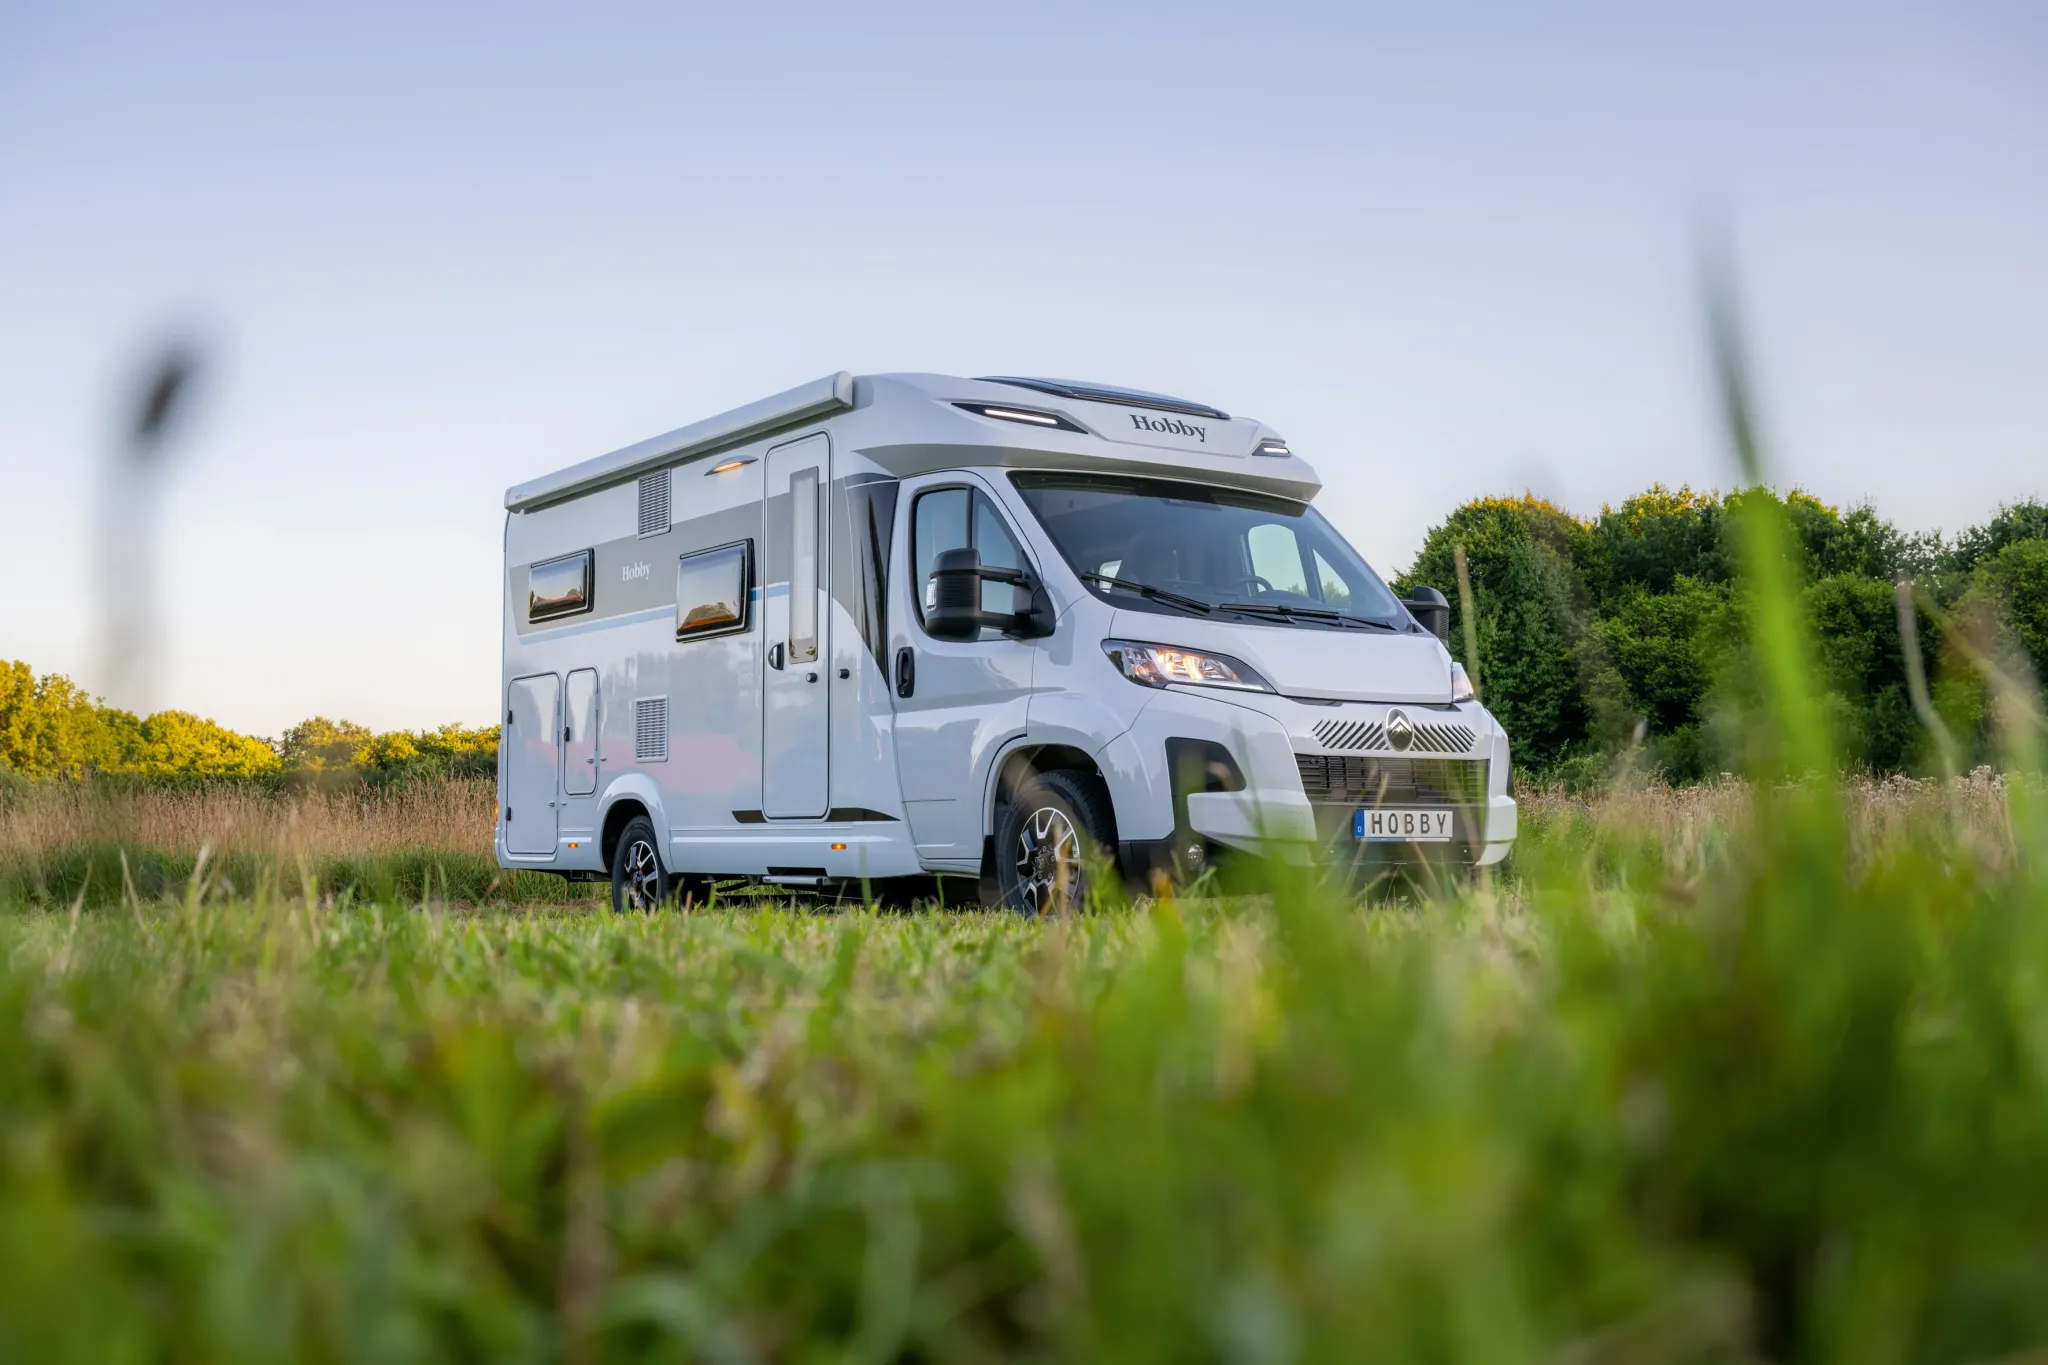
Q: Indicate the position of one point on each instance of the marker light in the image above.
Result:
(1165, 665)
(728, 466)
(1024, 416)
(1273, 446)
(1012, 415)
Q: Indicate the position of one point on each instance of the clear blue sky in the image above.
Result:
(1448, 250)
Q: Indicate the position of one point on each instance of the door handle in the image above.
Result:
(906, 672)
(775, 656)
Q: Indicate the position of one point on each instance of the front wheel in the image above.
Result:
(638, 881)
(1055, 829)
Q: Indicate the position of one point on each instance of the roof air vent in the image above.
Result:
(1110, 393)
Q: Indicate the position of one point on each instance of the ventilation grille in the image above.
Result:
(1337, 779)
(1351, 734)
(650, 730)
(654, 504)
(1427, 737)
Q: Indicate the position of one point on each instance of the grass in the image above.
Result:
(402, 844)
(1678, 1091)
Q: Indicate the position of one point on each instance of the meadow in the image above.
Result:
(1740, 1071)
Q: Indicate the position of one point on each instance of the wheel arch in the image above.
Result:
(1025, 760)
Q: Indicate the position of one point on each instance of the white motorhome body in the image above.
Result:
(731, 632)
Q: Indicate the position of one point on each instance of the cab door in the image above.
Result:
(532, 747)
(956, 701)
(796, 684)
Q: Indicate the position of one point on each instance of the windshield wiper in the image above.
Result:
(1172, 599)
(1305, 613)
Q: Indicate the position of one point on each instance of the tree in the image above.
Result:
(1667, 646)
(48, 726)
(1855, 630)
(2014, 523)
(180, 744)
(1656, 538)
(321, 745)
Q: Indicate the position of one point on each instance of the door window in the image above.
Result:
(998, 551)
(803, 566)
(964, 519)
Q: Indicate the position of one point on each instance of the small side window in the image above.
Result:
(713, 590)
(558, 587)
(1334, 589)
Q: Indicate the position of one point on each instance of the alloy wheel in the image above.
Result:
(643, 876)
(1049, 861)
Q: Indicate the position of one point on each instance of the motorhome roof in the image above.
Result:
(914, 423)
(1111, 393)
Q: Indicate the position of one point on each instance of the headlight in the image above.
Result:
(1461, 685)
(1161, 665)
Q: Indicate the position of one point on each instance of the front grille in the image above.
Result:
(1428, 736)
(1348, 780)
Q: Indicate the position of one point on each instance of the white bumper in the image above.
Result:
(1272, 815)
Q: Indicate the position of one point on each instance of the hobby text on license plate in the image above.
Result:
(1394, 824)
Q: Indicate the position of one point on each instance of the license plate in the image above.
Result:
(1403, 825)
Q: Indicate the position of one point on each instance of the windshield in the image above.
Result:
(1181, 548)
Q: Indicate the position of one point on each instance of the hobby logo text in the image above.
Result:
(1170, 425)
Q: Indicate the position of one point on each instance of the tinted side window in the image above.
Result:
(713, 589)
(559, 587)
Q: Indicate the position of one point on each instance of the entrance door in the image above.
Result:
(532, 744)
(579, 734)
(796, 615)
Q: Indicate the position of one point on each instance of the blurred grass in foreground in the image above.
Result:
(1637, 1104)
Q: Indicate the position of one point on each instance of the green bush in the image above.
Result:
(1588, 631)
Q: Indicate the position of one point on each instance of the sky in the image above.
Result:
(427, 252)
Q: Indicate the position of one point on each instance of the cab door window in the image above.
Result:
(964, 519)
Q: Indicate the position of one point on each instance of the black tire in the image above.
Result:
(1052, 835)
(639, 881)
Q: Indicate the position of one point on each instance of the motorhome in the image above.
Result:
(1008, 629)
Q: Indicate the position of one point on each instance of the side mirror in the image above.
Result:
(956, 614)
(1428, 606)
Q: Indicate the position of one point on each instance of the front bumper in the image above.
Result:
(1306, 770)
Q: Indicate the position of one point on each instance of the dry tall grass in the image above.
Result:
(1687, 823)
(1690, 825)
(442, 817)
